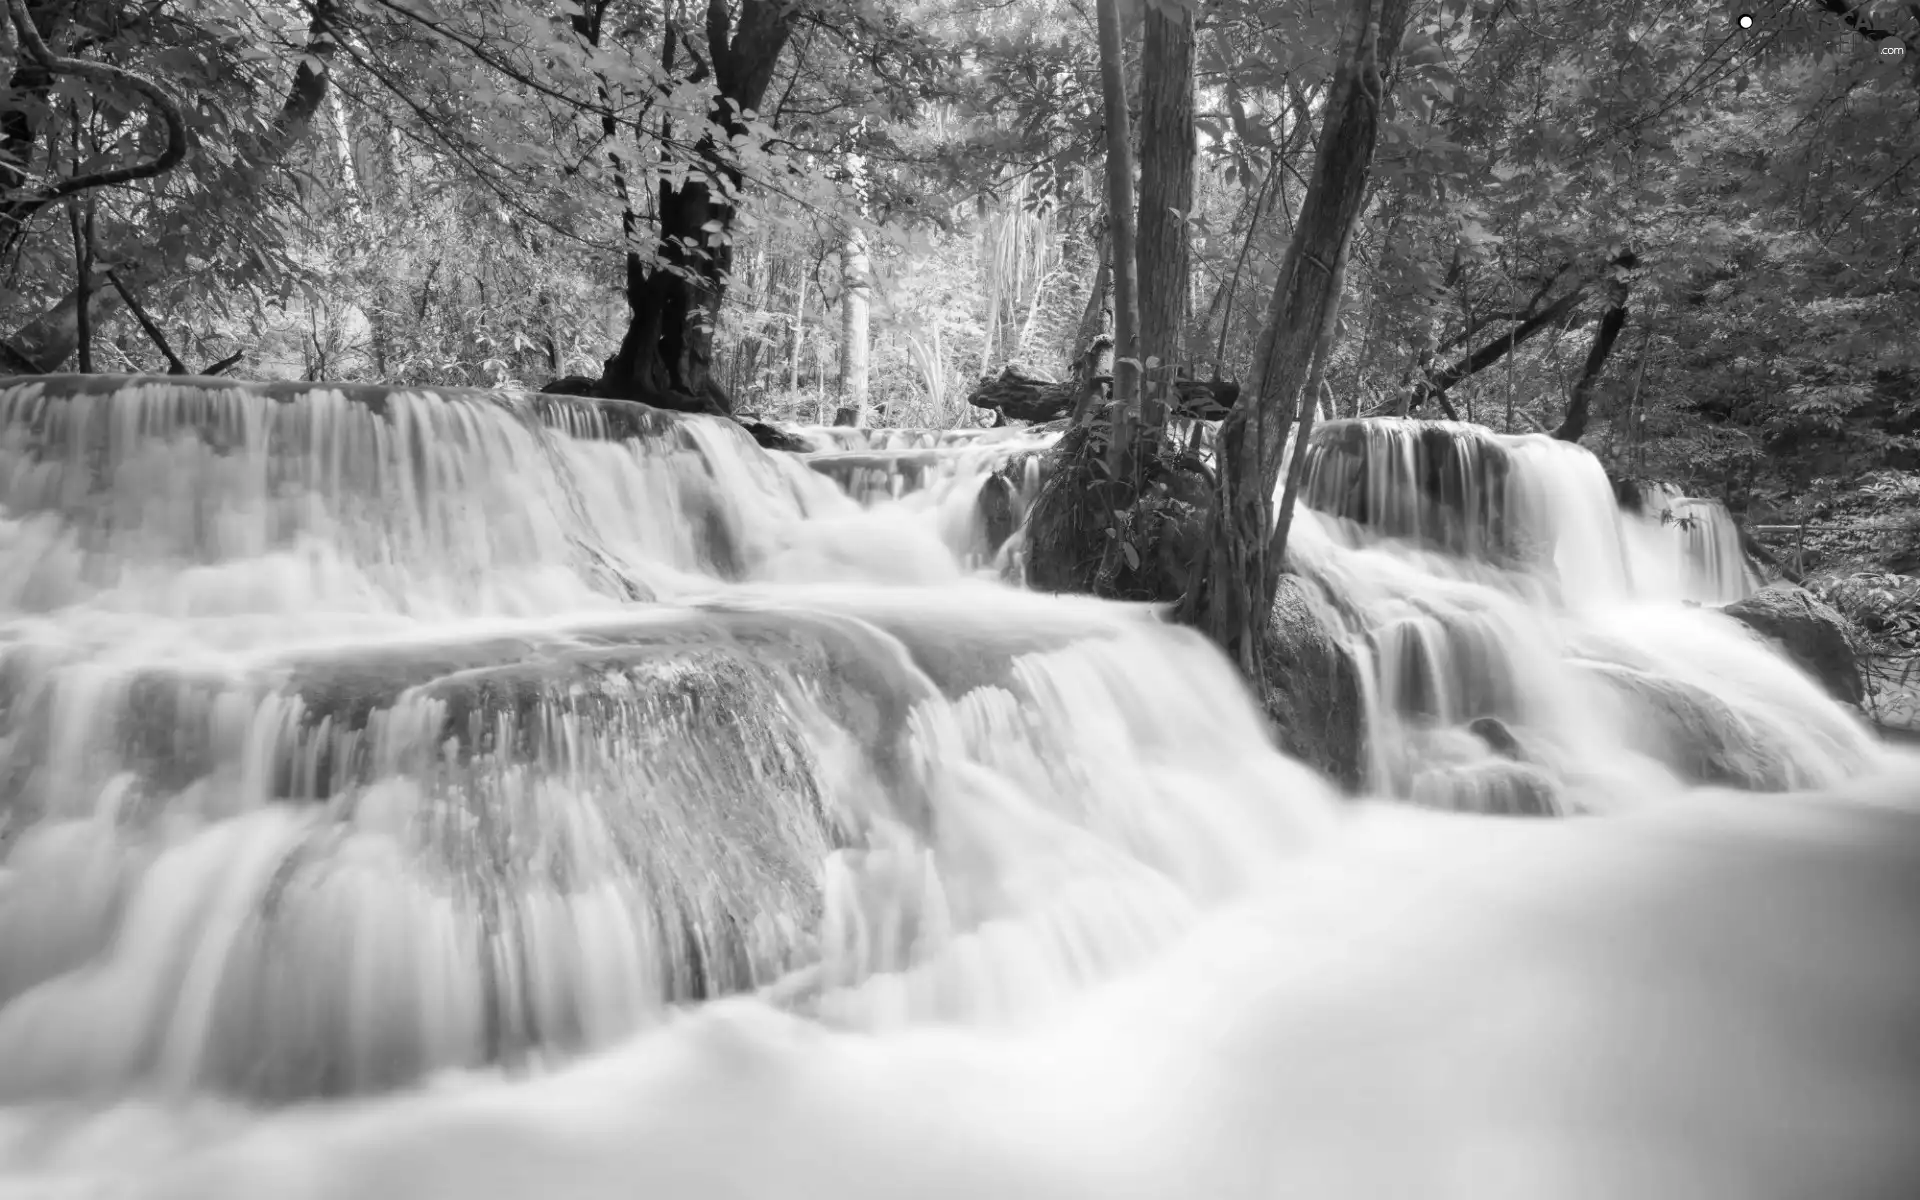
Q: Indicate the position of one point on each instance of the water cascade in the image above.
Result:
(1711, 563)
(1529, 640)
(942, 474)
(592, 803)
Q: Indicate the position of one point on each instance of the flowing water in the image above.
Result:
(442, 794)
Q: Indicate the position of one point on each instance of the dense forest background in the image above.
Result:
(1701, 232)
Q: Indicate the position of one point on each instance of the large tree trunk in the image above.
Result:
(1232, 600)
(1120, 224)
(1166, 198)
(666, 356)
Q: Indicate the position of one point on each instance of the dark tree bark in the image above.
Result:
(309, 88)
(1283, 522)
(1580, 406)
(1166, 197)
(82, 228)
(1120, 224)
(666, 356)
(1233, 597)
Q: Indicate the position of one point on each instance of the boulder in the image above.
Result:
(1499, 739)
(772, 437)
(1695, 734)
(1310, 685)
(1809, 632)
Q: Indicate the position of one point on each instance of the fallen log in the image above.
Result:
(1021, 395)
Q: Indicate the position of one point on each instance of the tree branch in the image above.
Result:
(105, 75)
(159, 340)
(1581, 403)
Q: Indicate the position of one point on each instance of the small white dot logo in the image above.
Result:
(1746, 20)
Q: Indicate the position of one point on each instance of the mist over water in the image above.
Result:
(441, 794)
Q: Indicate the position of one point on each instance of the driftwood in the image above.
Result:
(1021, 396)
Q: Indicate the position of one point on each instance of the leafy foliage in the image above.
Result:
(463, 205)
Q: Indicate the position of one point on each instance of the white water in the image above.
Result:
(1575, 625)
(343, 748)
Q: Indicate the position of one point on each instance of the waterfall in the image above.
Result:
(1529, 639)
(580, 799)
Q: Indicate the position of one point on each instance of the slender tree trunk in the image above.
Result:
(853, 325)
(1260, 203)
(1234, 598)
(1120, 217)
(799, 334)
(1094, 317)
(83, 273)
(1580, 406)
(1309, 408)
(1166, 198)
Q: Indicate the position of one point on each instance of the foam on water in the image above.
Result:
(457, 754)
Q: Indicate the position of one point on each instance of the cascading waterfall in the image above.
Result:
(728, 827)
(943, 474)
(1529, 641)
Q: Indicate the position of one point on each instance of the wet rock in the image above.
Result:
(1310, 685)
(1810, 633)
(772, 437)
(571, 385)
(1697, 735)
(1494, 732)
(1496, 788)
(1440, 483)
(997, 506)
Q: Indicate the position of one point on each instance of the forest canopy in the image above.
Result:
(1689, 240)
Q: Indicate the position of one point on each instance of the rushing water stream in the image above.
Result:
(451, 795)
